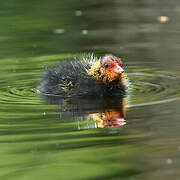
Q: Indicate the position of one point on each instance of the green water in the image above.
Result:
(41, 138)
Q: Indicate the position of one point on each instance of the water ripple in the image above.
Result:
(153, 86)
(147, 85)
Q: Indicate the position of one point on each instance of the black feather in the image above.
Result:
(70, 79)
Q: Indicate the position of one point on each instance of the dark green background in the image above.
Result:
(39, 142)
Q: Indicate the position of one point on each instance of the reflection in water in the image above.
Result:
(92, 112)
(109, 118)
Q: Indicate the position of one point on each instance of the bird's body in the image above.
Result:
(85, 76)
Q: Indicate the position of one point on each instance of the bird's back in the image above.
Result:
(71, 79)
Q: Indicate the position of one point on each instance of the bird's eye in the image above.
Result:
(106, 65)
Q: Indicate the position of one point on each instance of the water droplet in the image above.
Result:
(38, 91)
(59, 31)
(78, 13)
(163, 19)
(84, 32)
(169, 161)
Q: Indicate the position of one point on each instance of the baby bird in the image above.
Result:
(85, 76)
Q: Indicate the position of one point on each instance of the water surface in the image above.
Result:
(132, 138)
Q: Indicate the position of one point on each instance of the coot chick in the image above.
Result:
(85, 76)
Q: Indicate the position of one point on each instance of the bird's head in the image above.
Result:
(108, 70)
(112, 65)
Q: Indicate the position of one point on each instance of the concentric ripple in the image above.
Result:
(25, 94)
(152, 85)
(19, 79)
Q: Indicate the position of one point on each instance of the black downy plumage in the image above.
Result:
(71, 78)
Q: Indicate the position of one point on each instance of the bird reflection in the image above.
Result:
(92, 112)
(109, 118)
